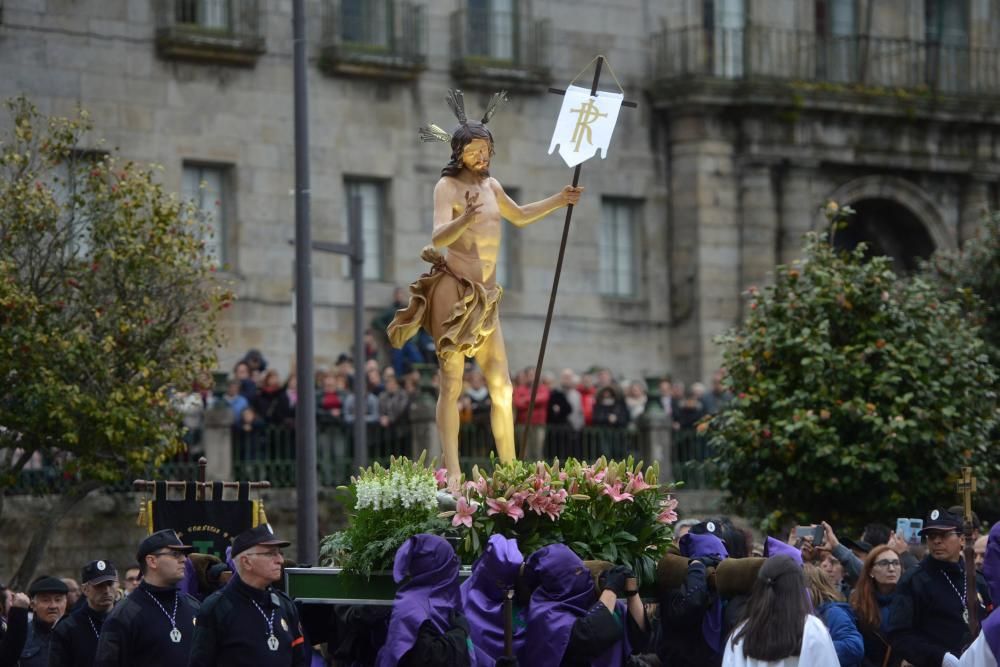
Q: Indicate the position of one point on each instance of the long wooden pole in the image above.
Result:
(555, 285)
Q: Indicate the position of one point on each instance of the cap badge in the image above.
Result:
(934, 515)
(101, 566)
(710, 527)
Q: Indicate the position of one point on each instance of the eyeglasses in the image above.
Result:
(888, 564)
(131, 578)
(179, 555)
(267, 554)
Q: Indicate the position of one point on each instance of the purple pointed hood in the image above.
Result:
(696, 546)
(484, 592)
(426, 566)
(706, 544)
(773, 547)
(564, 593)
(991, 571)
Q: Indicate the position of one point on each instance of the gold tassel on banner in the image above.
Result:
(260, 517)
(145, 518)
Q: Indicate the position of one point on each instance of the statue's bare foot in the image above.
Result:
(454, 481)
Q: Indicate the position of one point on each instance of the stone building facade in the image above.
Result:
(751, 114)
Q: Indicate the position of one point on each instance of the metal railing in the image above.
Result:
(504, 40)
(762, 52)
(691, 456)
(234, 20)
(51, 477)
(379, 31)
(268, 453)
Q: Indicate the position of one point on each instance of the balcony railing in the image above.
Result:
(769, 53)
(492, 49)
(219, 31)
(382, 38)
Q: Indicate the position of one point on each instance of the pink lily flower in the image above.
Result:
(441, 477)
(668, 515)
(556, 504)
(615, 492)
(636, 484)
(509, 508)
(480, 486)
(463, 512)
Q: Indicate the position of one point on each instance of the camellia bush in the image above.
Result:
(858, 395)
(608, 510)
(973, 274)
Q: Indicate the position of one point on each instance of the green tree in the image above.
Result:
(859, 394)
(107, 304)
(973, 274)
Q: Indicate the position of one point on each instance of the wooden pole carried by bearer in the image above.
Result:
(966, 487)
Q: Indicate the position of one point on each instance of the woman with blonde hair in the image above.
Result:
(777, 629)
(871, 599)
(837, 616)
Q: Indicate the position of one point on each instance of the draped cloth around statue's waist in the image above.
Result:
(471, 321)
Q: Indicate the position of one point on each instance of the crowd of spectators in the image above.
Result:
(261, 398)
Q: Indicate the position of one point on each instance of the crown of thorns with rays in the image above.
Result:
(456, 101)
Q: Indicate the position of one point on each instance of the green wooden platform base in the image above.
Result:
(331, 585)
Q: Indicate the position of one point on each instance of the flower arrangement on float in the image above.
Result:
(605, 510)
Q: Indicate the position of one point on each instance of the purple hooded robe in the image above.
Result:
(773, 547)
(564, 593)
(430, 593)
(991, 571)
(483, 596)
(696, 546)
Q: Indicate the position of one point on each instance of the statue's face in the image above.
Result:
(476, 156)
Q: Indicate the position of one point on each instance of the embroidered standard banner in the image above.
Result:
(585, 124)
(207, 525)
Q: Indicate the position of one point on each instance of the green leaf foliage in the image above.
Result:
(858, 395)
(972, 274)
(108, 303)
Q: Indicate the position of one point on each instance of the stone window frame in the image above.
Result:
(221, 223)
(635, 207)
(378, 226)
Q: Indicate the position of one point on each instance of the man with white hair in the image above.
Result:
(247, 622)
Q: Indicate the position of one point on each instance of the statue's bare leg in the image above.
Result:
(492, 359)
(450, 390)
(446, 295)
